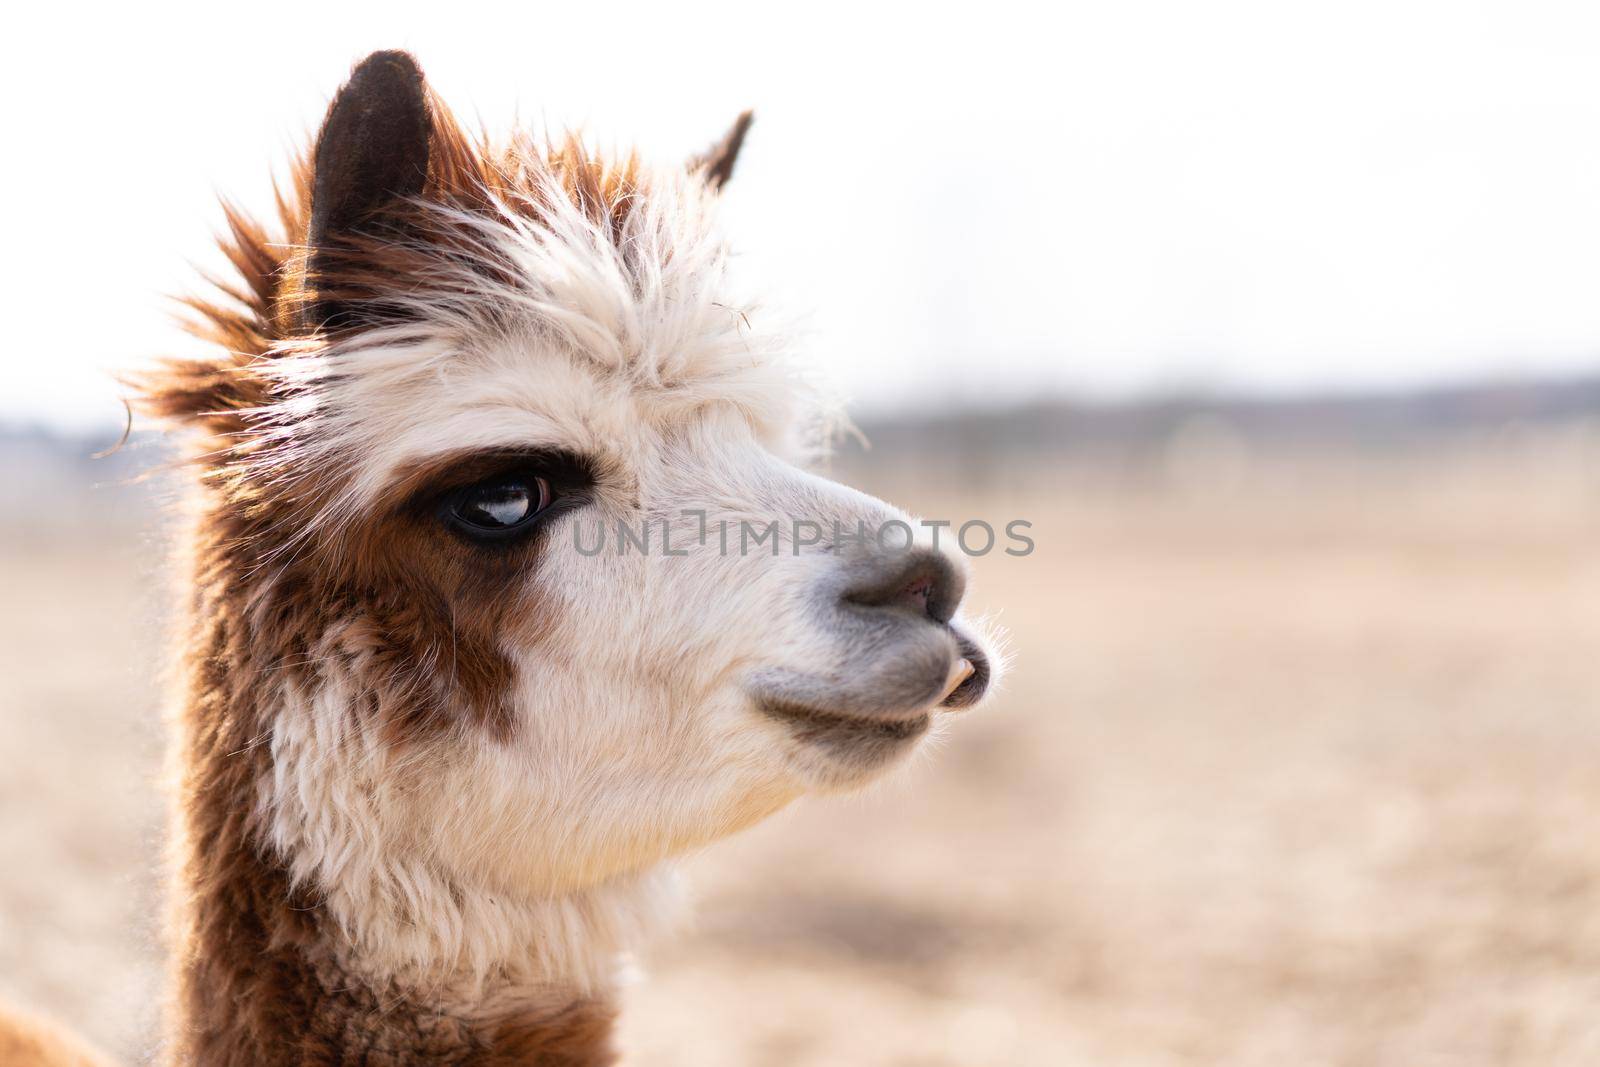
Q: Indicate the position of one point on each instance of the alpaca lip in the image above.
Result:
(844, 734)
(861, 731)
(890, 698)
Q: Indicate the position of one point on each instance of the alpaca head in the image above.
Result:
(457, 399)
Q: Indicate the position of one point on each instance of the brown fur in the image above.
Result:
(248, 321)
(258, 980)
(290, 294)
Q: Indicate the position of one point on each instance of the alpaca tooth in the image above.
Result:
(960, 671)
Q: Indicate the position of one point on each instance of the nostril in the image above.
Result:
(917, 594)
(924, 583)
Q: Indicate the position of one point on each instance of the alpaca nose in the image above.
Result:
(922, 582)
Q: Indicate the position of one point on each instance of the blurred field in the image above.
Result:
(1299, 762)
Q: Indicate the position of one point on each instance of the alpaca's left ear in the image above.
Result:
(371, 154)
(716, 164)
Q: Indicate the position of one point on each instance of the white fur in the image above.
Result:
(342, 809)
(590, 339)
(542, 856)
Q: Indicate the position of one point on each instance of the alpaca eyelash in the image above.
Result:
(556, 480)
(567, 472)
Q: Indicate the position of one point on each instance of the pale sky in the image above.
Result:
(973, 203)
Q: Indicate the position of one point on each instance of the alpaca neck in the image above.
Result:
(262, 981)
(277, 964)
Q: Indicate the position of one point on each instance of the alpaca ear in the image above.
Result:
(716, 163)
(372, 151)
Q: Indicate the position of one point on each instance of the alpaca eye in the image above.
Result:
(500, 507)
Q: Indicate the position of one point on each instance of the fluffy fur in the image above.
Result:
(429, 792)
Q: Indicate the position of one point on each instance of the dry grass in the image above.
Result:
(1299, 768)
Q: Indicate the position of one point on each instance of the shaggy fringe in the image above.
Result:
(523, 243)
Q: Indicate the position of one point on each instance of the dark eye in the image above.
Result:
(499, 507)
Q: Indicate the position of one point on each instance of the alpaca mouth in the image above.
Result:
(857, 738)
(859, 730)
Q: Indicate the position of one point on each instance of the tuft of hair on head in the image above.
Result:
(370, 156)
(395, 205)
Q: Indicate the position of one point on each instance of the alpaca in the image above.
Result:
(435, 758)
